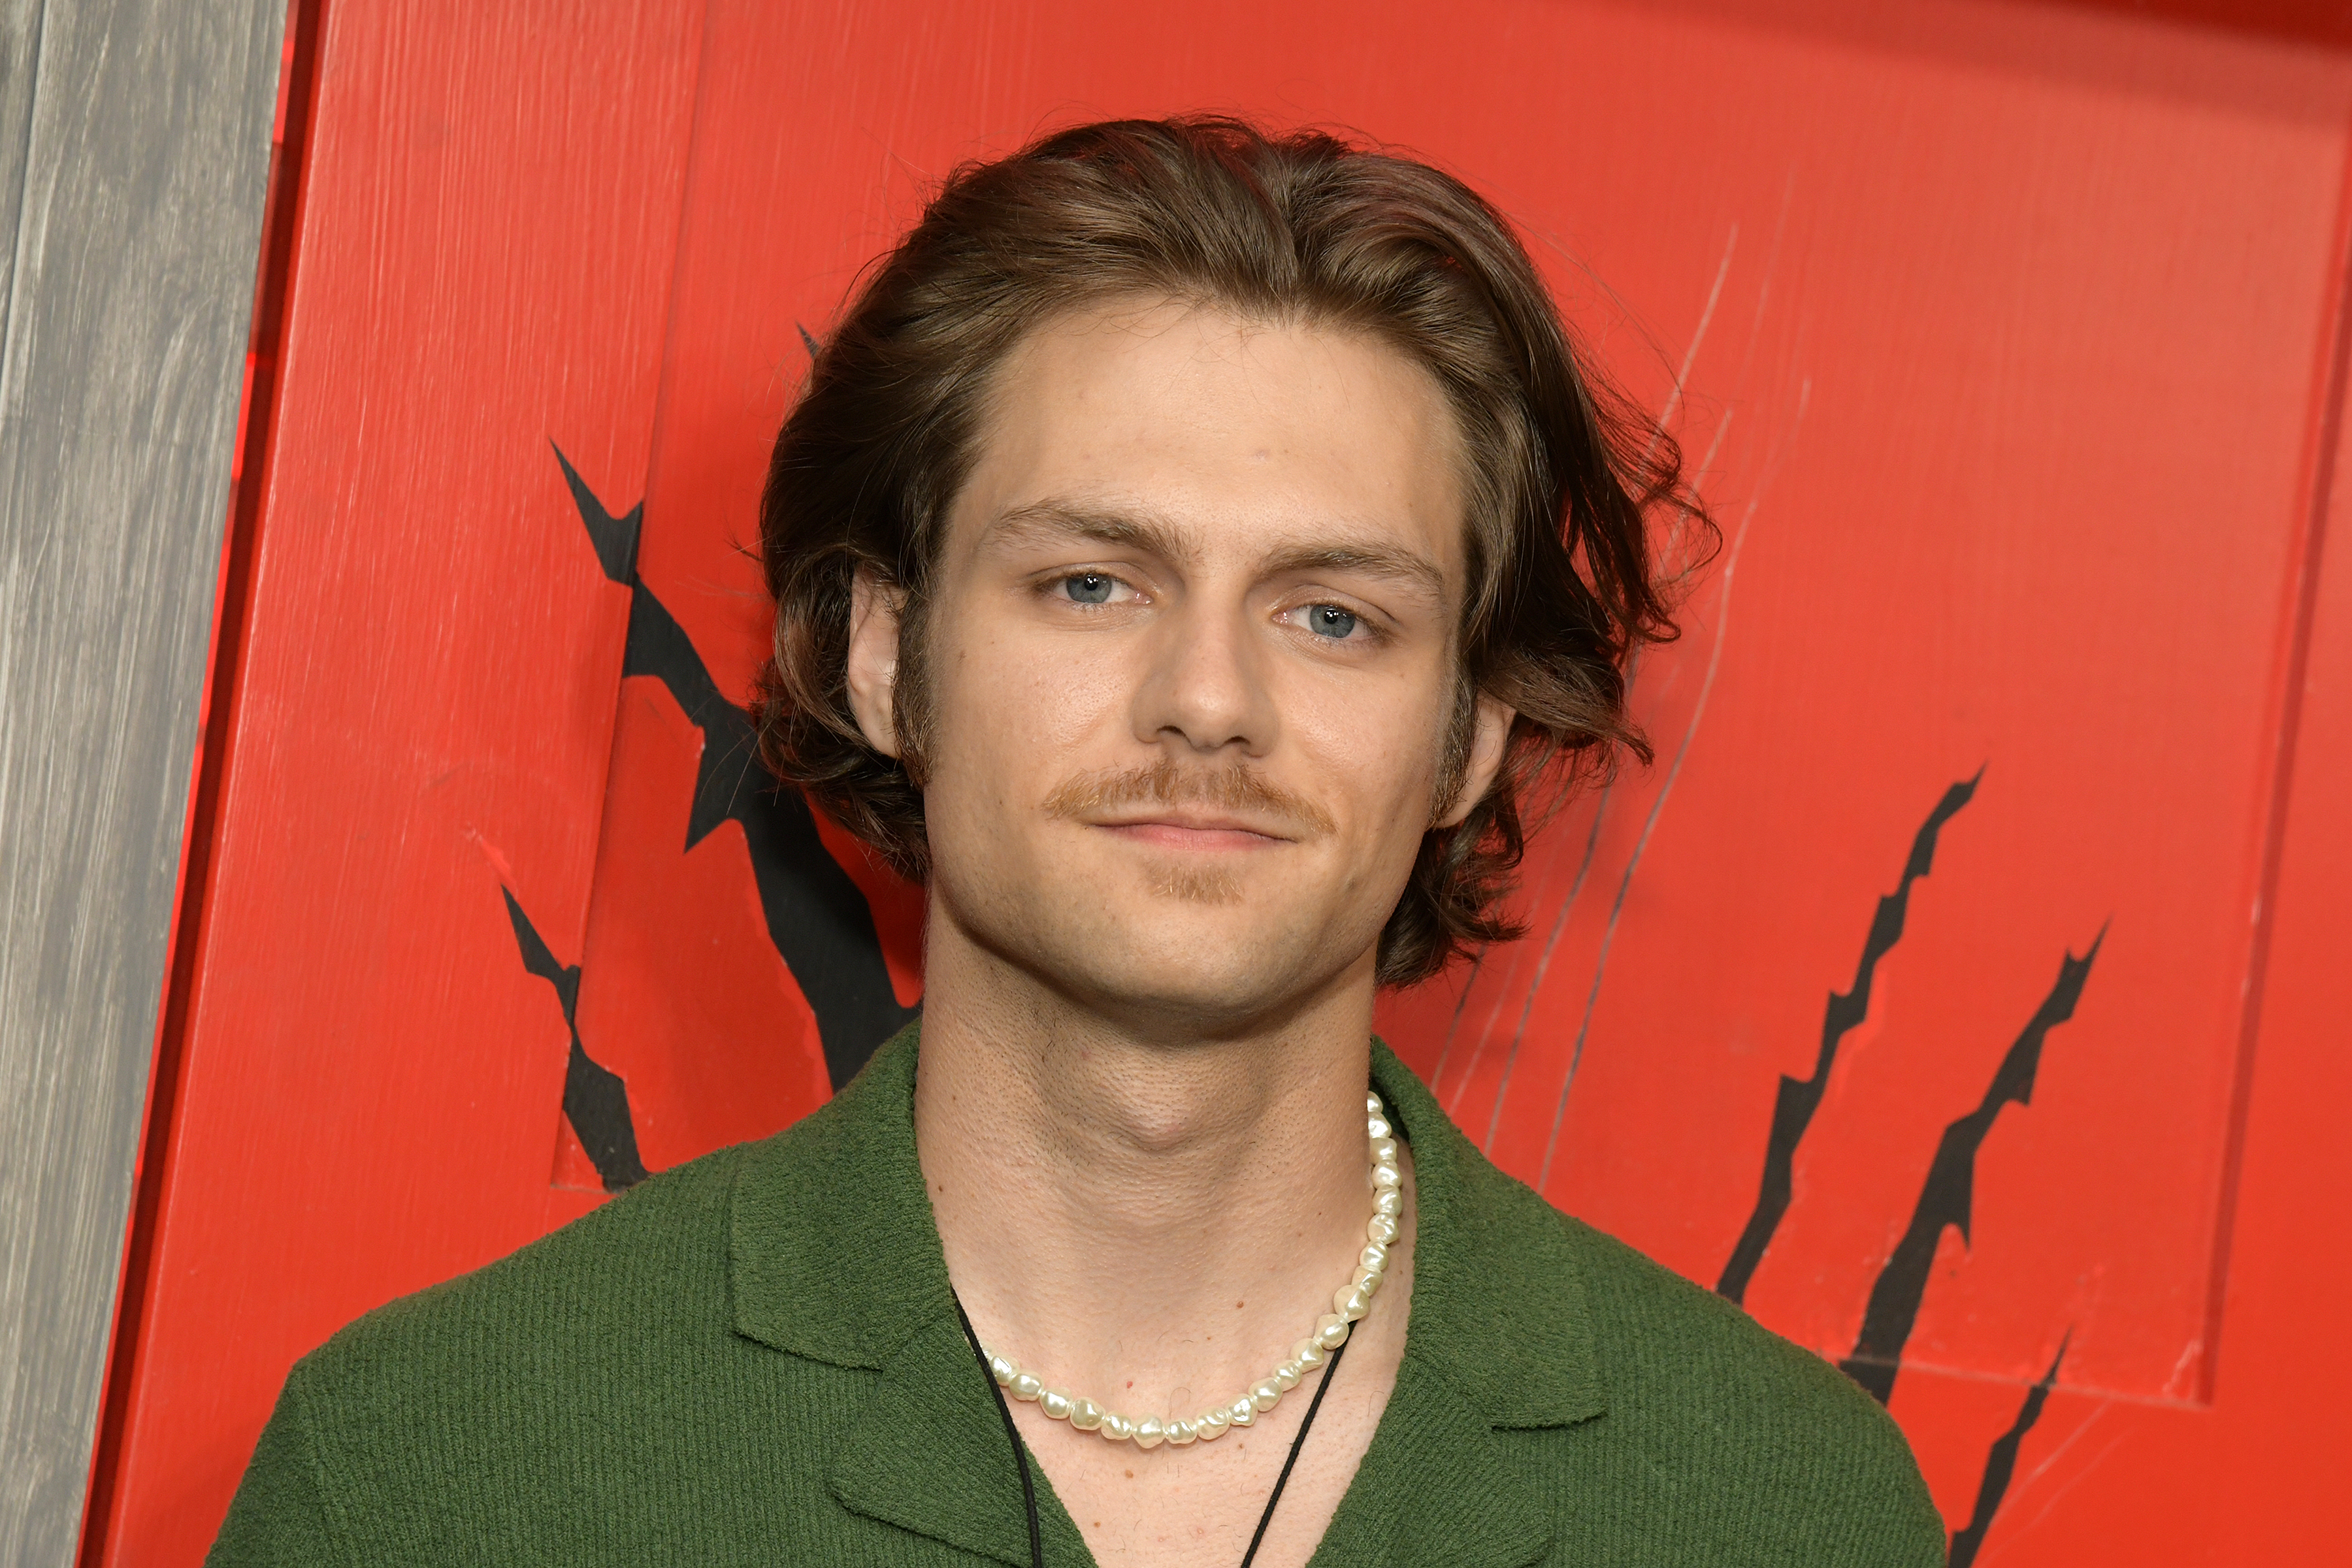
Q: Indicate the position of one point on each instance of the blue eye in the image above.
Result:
(1329, 621)
(1087, 587)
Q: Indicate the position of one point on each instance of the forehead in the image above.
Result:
(1247, 436)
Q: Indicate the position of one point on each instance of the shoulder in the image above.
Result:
(610, 1361)
(427, 1426)
(1721, 1417)
(1610, 1376)
(1648, 1328)
(644, 1270)
(1696, 1356)
(637, 1302)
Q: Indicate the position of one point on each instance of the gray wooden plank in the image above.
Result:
(136, 187)
(20, 43)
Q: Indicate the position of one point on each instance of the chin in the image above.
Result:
(1164, 948)
(1203, 968)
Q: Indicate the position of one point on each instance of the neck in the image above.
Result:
(1148, 1221)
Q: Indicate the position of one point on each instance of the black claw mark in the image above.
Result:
(615, 538)
(816, 917)
(1950, 1189)
(1792, 1111)
(594, 1098)
(2001, 1464)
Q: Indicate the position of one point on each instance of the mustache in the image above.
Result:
(1236, 787)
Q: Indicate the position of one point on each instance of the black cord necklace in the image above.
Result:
(1021, 1449)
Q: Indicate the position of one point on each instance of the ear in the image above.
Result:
(1490, 731)
(873, 672)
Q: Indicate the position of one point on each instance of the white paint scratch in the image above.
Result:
(1674, 772)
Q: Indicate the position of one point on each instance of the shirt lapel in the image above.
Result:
(1435, 1487)
(930, 1454)
(835, 1257)
(834, 1254)
(1497, 1341)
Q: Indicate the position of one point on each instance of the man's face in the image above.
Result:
(1191, 661)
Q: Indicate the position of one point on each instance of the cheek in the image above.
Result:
(1375, 746)
(1011, 705)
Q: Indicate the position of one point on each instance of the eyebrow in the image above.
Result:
(1159, 537)
(1154, 535)
(1371, 560)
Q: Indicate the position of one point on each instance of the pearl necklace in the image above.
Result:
(1348, 1304)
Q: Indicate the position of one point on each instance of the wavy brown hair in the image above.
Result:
(1564, 476)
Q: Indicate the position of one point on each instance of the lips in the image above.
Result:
(1188, 835)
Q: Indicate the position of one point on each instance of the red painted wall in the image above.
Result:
(2009, 341)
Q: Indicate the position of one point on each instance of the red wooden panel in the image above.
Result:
(423, 712)
(2010, 573)
(2006, 340)
(2254, 1477)
(1943, 381)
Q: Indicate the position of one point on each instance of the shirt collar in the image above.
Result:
(836, 1257)
(836, 1254)
(1498, 1292)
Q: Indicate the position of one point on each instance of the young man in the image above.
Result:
(1189, 551)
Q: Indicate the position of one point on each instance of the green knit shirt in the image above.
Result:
(755, 1358)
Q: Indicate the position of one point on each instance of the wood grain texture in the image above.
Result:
(134, 148)
(421, 716)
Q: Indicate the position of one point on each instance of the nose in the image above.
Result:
(1205, 691)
